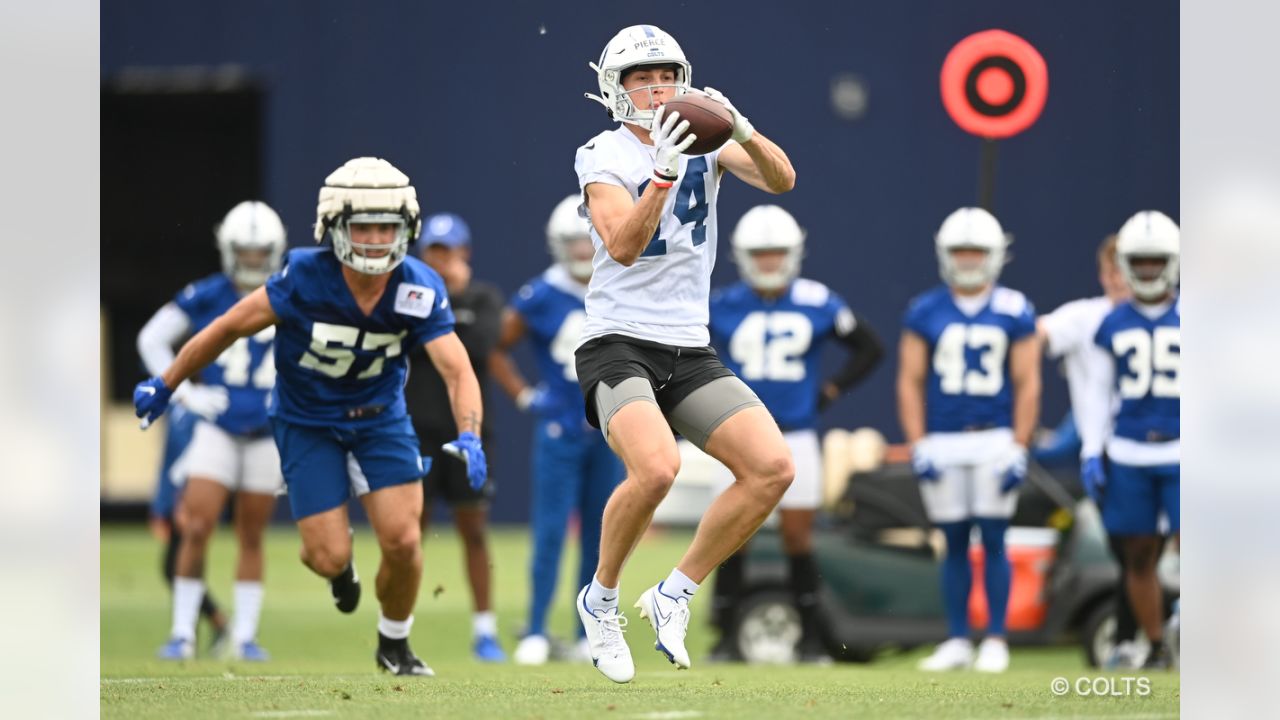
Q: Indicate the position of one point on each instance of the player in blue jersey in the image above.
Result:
(573, 468)
(1131, 413)
(345, 320)
(231, 449)
(771, 328)
(968, 401)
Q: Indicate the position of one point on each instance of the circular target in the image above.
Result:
(994, 84)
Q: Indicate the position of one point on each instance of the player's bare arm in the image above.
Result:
(501, 364)
(450, 358)
(760, 163)
(251, 314)
(1024, 373)
(913, 354)
(625, 226)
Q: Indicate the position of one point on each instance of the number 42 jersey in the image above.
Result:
(967, 385)
(336, 366)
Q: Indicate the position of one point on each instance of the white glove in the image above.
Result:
(742, 128)
(207, 401)
(666, 135)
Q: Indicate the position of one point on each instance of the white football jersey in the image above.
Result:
(1070, 330)
(663, 296)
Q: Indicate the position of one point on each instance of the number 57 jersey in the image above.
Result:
(336, 366)
(662, 297)
(967, 387)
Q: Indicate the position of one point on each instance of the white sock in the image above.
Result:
(394, 629)
(484, 623)
(248, 596)
(678, 586)
(600, 597)
(187, 595)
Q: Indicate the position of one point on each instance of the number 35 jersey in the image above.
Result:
(336, 366)
(245, 369)
(775, 346)
(1147, 352)
(967, 385)
(663, 296)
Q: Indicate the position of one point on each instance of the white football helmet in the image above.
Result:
(970, 227)
(251, 225)
(564, 228)
(1152, 234)
(368, 190)
(631, 47)
(768, 227)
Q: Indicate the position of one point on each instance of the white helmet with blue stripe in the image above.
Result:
(251, 226)
(976, 229)
(630, 48)
(1149, 234)
(566, 227)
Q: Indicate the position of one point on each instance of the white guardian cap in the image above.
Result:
(251, 226)
(768, 227)
(632, 47)
(976, 229)
(1149, 234)
(368, 190)
(564, 228)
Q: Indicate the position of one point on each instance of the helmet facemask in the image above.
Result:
(970, 275)
(370, 258)
(574, 253)
(636, 47)
(248, 271)
(251, 227)
(1151, 277)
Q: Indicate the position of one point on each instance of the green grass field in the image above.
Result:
(322, 662)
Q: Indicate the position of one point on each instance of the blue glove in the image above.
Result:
(1015, 470)
(541, 402)
(1093, 477)
(150, 400)
(467, 449)
(923, 467)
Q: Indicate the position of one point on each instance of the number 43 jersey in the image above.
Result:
(662, 297)
(336, 366)
(967, 386)
(775, 346)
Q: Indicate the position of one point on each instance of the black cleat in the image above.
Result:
(395, 657)
(1158, 658)
(346, 589)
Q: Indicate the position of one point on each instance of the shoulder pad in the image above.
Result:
(1007, 301)
(809, 292)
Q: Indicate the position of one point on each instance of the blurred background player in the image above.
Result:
(574, 471)
(644, 359)
(179, 426)
(968, 400)
(774, 326)
(231, 447)
(345, 321)
(1067, 333)
(1138, 481)
(477, 312)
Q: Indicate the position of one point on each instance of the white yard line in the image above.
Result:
(669, 715)
(291, 713)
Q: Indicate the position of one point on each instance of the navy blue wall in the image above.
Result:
(481, 104)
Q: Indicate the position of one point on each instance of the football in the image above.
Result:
(708, 119)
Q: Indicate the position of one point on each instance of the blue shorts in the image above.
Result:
(325, 467)
(1136, 495)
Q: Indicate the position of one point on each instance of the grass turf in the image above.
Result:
(322, 663)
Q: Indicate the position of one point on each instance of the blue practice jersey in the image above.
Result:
(775, 346)
(338, 367)
(554, 310)
(1147, 354)
(245, 369)
(967, 385)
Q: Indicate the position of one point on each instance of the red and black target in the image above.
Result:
(994, 84)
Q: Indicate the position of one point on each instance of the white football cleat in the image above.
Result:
(609, 651)
(953, 654)
(670, 620)
(993, 656)
(533, 650)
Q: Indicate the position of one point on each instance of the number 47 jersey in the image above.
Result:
(336, 366)
(968, 387)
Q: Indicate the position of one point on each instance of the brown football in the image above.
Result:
(708, 119)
